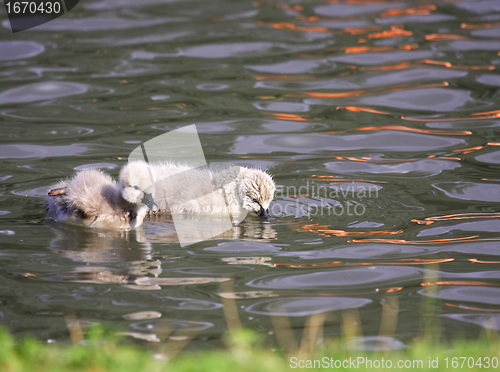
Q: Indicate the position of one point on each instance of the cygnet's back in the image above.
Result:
(94, 199)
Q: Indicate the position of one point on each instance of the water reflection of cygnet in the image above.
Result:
(161, 229)
(134, 247)
(101, 247)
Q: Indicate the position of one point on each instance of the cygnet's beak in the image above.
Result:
(264, 214)
(148, 200)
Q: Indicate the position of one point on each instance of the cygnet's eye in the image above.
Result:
(255, 201)
(136, 187)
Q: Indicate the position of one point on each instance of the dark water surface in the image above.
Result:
(379, 121)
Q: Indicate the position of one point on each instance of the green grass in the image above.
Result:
(244, 351)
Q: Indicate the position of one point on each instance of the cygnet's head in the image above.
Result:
(257, 189)
(137, 182)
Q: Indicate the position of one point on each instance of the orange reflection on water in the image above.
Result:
(363, 49)
(440, 37)
(495, 112)
(475, 260)
(365, 160)
(473, 308)
(332, 95)
(469, 149)
(291, 26)
(450, 65)
(449, 119)
(361, 30)
(404, 65)
(489, 115)
(405, 261)
(394, 289)
(293, 117)
(472, 26)
(398, 66)
(394, 31)
(394, 88)
(459, 282)
(446, 158)
(325, 231)
(362, 109)
(458, 216)
(431, 241)
(424, 10)
(414, 130)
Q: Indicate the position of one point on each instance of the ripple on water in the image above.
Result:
(241, 50)
(23, 151)
(295, 67)
(369, 276)
(35, 132)
(488, 32)
(12, 50)
(427, 99)
(305, 306)
(362, 251)
(189, 304)
(487, 320)
(212, 86)
(492, 157)
(415, 18)
(377, 343)
(313, 142)
(379, 79)
(489, 79)
(101, 23)
(470, 190)
(42, 91)
(468, 45)
(478, 226)
(244, 247)
(282, 106)
(371, 59)
(97, 166)
(276, 126)
(475, 248)
(412, 169)
(473, 293)
(479, 6)
(36, 192)
(179, 324)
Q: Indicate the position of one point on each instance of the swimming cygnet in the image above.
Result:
(94, 199)
(183, 189)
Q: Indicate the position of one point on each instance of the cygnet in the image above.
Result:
(182, 189)
(94, 199)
